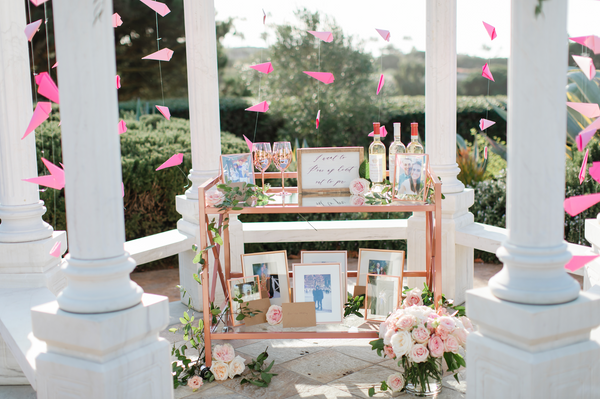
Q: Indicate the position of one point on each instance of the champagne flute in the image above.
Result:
(262, 158)
(282, 157)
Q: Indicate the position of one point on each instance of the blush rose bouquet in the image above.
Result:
(418, 337)
(225, 363)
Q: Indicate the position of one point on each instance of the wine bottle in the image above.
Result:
(414, 147)
(395, 148)
(377, 160)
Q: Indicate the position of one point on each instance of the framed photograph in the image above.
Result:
(382, 297)
(272, 270)
(410, 182)
(379, 261)
(321, 284)
(247, 288)
(340, 257)
(328, 170)
(237, 168)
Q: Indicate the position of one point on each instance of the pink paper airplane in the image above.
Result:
(264, 16)
(595, 171)
(41, 113)
(38, 2)
(122, 190)
(484, 124)
(264, 68)
(586, 64)
(380, 85)
(325, 77)
(575, 205)
(485, 153)
(55, 251)
(382, 132)
(384, 33)
(55, 65)
(486, 73)
(118, 81)
(583, 170)
(250, 146)
(318, 118)
(55, 180)
(262, 107)
(590, 110)
(117, 21)
(578, 261)
(160, 8)
(175, 160)
(122, 127)
(490, 30)
(47, 87)
(160, 55)
(165, 111)
(32, 28)
(584, 137)
(327, 37)
(592, 42)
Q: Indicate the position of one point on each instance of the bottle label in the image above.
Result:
(376, 167)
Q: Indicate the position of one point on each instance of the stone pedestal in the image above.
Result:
(10, 372)
(529, 351)
(591, 271)
(104, 356)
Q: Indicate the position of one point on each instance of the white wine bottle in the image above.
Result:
(395, 148)
(414, 147)
(377, 160)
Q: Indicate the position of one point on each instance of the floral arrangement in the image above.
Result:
(274, 315)
(418, 337)
(225, 363)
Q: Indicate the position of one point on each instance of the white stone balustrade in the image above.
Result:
(534, 324)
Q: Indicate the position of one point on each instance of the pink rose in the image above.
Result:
(359, 186)
(436, 346)
(220, 370)
(389, 352)
(383, 328)
(195, 382)
(461, 336)
(357, 200)
(420, 334)
(393, 319)
(388, 336)
(223, 353)
(447, 324)
(467, 323)
(442, 312)
(214, 198)
(395, 382)
(406, 322)
(443, 334)
(413, 298)
(451, 344)
(418, 353)
(274, 315)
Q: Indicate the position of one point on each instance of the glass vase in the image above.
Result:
(424, 379)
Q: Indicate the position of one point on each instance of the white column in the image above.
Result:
(101, 333)
(203, 83)
(534, 324)
(440, 144)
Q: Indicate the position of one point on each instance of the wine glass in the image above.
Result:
(282, 157)
(262, 158)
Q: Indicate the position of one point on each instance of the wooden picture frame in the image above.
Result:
(237, 169)
(272, 265)
(407, 186)
(383, 296)
(320, 283)
(379, 261)
(235, 286)
(340, 257)
(327, 170)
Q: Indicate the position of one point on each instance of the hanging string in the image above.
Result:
(47, 41)
(159, 63)
(186, 177)
(260, 79)
(381, 69)
(50, 74)
(33, 69)
(319, 88)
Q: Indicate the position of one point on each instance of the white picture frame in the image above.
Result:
(328, 170)
(272, 265)
(388, 262)
(382, 296)
(340, 257)
(321, 284)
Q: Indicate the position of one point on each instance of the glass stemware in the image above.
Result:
(262, 158)
(282, 157)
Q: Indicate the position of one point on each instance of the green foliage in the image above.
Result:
(472, 164)
(244, 310)
(354, 305)
(260, 375)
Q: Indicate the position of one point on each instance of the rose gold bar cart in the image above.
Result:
(432, 274)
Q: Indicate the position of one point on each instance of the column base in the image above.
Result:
(23, 223)
(104, 356)
(531, 351)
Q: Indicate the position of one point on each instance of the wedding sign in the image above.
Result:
(326, 170)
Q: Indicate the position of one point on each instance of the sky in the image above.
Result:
(405, 19)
